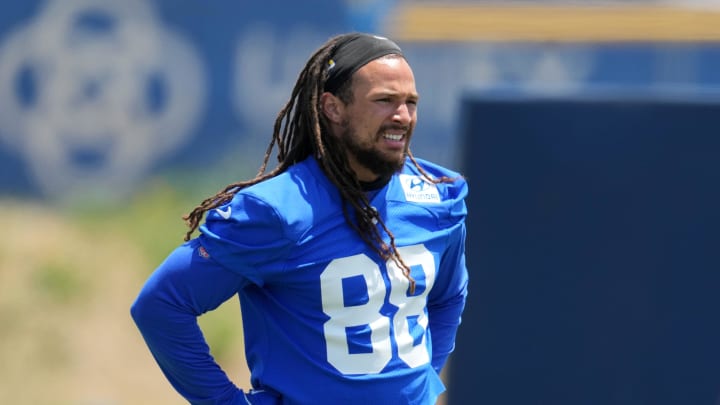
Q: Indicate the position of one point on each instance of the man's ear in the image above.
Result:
(332, 107)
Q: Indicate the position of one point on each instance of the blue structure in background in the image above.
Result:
(594, 243)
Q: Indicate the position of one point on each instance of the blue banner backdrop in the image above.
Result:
(96, 95)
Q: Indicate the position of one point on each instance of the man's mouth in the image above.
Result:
(393, 137)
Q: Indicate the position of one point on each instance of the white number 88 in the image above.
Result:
(411, 312)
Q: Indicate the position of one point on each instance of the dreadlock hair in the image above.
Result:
(300, 130)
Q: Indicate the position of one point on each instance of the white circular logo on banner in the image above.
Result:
(93, 92)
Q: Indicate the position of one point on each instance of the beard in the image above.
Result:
(371, 158)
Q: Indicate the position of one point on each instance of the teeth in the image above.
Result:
(393, 137)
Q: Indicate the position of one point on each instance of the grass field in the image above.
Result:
(67, 280)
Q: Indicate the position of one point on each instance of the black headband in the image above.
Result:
(353, 52)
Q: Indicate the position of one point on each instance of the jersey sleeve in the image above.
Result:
(446, 301)
(245, 236)
(186, 285)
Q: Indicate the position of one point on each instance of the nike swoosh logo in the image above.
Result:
(224, 213)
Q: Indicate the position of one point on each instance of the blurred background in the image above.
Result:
(588, 132)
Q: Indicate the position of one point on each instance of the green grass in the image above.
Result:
(151, 220)
(59, 283)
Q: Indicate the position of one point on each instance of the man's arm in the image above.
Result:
(188, 284)
(447, 298)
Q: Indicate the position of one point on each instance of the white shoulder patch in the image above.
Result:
(417, 189)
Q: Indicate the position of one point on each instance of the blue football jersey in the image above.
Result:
(326, 320)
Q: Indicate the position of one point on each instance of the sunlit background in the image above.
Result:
(118, 117)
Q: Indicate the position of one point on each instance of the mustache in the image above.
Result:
(404, 128)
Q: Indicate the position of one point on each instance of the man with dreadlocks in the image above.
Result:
(348, 257)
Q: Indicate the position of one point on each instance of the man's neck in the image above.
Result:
(376, 184)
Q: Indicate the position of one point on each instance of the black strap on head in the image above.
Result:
(353, 52)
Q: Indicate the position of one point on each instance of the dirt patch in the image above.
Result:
(66, 335)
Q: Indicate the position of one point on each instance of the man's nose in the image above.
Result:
(402, 114)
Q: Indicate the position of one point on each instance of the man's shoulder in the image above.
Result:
(454, 184)
(301, 181)
(444, 198)
(433, 169)
(295, 194)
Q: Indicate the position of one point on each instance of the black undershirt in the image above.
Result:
(371, 188)
(376, 184)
